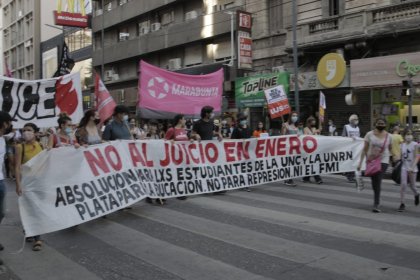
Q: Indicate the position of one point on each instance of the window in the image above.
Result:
(123, 34)
(168, 17)
(144, 27)
(276, 16)
(79, 39)
(334, 8)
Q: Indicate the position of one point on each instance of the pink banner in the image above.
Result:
(165, 91)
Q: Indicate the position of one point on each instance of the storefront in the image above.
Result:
(383, 78)
(249, 96)
(333, 79)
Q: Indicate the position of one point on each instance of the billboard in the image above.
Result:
(75, 15)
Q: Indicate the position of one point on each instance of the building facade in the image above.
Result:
(363, 32)
(187, 36)
(21, 37)
(79, 43)
(193, 36)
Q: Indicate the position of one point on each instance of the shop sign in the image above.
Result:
(278, 104)
(385, 71)
(71, 17)
(309, 81)
(331, 70)
(244, 26)
(249, 91)
(245, 50)
(244, 21)
(406, 69)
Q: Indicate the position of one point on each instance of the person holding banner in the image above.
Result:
(203, 129)
(378, 145)
(311, 129)
(25, 152)
(352, 130)
(65, 135)
(290, 128)
(260, 129)
(242, 131)
(118, 129)
(88, 132)
(136, 132)
(178, 133)
(5, 123)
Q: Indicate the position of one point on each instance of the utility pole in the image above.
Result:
(102, 41)
(408, 87)
(295, 56)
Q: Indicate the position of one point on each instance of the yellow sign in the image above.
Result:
(331, 70)
(71, 6)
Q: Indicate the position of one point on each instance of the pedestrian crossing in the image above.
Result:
(274, 232)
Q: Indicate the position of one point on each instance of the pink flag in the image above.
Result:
(105, 104)
(7, 71)
(163, 93)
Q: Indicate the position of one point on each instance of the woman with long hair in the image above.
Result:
(260, 129)
(29, 148)
(65, 135)
(88, 132)
(378, 145)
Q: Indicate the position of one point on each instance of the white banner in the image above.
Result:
(65, 187)
(41, 101)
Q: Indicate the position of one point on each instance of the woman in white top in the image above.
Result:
(409, 170)
(377, 144)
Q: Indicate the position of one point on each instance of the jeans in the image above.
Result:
(376, 184)
(2, 199)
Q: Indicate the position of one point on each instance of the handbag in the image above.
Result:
(374, 166)
(396, 172)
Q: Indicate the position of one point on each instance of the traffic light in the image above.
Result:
(407, 86)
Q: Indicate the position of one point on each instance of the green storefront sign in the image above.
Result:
(249, 91)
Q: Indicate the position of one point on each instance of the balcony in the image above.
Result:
(122, 13)
(360, 25)
(167, 37)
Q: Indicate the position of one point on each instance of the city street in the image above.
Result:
(273, 232)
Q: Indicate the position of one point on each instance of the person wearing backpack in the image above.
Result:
(25, 151)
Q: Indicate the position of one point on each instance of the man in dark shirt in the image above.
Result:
(242, 131)
(203, 129)
(118, 128)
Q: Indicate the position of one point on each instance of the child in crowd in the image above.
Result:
(409, 170)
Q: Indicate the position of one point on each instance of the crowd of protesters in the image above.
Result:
(19, 146)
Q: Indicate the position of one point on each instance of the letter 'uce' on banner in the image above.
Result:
(102, 179)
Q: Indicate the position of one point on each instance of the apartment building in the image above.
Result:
(21, 37)
(373, 36)
(191, 36)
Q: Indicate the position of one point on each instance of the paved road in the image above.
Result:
(274, 232)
